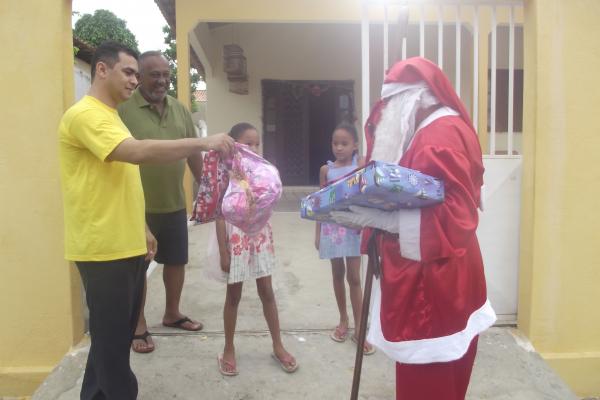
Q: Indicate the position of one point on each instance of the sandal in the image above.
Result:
(179, 324)
(368, 348)
(147, 347)
(339, 334)
(222, 364)
(289, 368)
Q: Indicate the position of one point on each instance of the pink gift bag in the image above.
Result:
(254, 189)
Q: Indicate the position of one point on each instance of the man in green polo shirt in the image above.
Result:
(152, 114)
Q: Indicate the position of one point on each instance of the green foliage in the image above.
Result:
(104, 25)
(171, 55)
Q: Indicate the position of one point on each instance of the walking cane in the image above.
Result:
(373, 268)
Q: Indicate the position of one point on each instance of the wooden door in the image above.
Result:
(285, 121)
(344, 103)
(298, 119)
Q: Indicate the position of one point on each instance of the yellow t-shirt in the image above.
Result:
(103, 200)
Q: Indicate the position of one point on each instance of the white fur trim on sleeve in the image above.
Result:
(409, 233)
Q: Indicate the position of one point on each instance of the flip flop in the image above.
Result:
(287, 368)
(339, 334)
(144, 337)
(366, 351)
(179, 324)
(222, 364)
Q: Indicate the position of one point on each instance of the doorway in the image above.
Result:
(298, 120)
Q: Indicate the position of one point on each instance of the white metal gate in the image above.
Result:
(473, 65)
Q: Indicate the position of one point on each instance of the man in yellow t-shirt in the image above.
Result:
(105, 232)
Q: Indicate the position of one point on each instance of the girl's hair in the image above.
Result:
(237, 130)
(350, 128)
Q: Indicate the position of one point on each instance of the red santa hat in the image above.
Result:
(409, 73)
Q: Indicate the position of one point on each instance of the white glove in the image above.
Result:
(360, 217)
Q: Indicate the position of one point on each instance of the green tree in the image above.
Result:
(104, 25)
(171, 55)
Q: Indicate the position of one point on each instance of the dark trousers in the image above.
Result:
(113, 290)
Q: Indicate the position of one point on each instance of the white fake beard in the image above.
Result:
(396, 128)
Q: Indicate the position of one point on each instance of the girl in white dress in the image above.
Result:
(245, 257)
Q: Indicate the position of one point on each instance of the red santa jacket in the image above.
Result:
(431, 299)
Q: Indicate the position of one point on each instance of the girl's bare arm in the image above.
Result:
(322, 183)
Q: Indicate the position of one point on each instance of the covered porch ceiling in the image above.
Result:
(167, 8)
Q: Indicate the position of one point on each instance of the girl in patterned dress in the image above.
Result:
(336, 242)
(244, 257)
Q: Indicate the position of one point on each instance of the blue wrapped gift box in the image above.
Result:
(377, 185)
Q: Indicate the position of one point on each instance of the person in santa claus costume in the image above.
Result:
(429, 304)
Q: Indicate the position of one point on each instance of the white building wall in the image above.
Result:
(83, 78)
(277, 51)
(319, 51)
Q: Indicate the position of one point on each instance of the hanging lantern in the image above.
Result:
(234, 61)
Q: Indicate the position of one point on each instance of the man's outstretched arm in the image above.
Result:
(151, 151)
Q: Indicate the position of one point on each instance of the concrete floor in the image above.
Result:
(184, 365)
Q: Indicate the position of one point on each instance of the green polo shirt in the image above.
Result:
(162, 183)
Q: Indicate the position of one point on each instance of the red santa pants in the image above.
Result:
(437, 381)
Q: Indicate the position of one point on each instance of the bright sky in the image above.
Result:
(143, 18)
